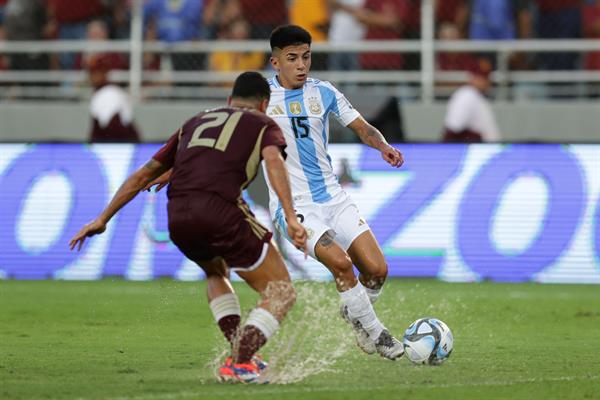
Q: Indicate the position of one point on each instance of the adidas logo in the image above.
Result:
(277, 110)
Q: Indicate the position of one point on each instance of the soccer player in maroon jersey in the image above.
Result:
(213, 157)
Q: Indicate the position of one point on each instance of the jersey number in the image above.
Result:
(300, 127)
(228, 121)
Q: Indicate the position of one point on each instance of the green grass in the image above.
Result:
(156, 340)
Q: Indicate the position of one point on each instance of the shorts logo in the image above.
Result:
(295, 108)
(361, 222)
(314, 106)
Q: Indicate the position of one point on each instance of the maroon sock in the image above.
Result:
(250, 341)
(229, 325)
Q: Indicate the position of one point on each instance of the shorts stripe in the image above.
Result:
(258, 262)
(256, 226)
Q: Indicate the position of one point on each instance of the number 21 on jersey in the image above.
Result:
(216, 119)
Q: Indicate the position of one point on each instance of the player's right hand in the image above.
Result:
(93, 228)
(298, 235)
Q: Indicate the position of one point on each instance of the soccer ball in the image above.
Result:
(428, 341)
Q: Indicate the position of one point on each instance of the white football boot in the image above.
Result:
(363, 340)
(388, 346)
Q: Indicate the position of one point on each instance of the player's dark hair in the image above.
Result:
(289, 35)
(251, 85)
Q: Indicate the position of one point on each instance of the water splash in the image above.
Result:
(312, 339)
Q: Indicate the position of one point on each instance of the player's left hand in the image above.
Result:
(159, 182)
(392, 156)
(93, 228)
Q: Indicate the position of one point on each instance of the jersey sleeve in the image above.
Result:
(273, 137)
(166, 154)
(341, 107)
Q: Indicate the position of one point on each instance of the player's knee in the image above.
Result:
(380, 272)
(341, 264)
(281, 296)
(290, 297)
(376, 275)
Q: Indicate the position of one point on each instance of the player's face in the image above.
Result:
(292, 64)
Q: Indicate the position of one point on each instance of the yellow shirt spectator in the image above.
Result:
(226, 61)
(312, 15)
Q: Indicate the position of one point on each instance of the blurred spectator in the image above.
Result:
(2, 5)
(453, 61)
(110, 107)
(453, 11)
(26, 20)
(219, 14)
(591, 30)
(226, 61)
(412, 22)
(499, 19)
(70, 19)
(558, 19)
(177, 21)
(98, 31)
(150, 61)
(264, 16)
(384, 20)
(344, 28)
(3, 58)
(315, 19)
(120, 19)
(469, 117)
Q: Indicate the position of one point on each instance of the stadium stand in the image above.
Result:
(418, 51)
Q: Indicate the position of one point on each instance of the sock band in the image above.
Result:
(352, 292)
(373, 293)
(264, 321)
(224, 305)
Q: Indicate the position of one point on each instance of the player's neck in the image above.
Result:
(286, 85)
(243, 104)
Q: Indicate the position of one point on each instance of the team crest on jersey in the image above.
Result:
(295, 108)
(309, 233)
(314, 106)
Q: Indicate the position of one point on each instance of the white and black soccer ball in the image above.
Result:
(428, 341)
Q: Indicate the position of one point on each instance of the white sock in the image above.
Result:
(373, 293)
(224, 305)
(264, 321)
(360, 309)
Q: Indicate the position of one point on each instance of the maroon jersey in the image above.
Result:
(218, 151)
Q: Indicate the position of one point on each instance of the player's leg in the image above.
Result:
(355, 304)
(222, 300)
(355, 236)
(352, 229)
(272, 281)
(368, 258)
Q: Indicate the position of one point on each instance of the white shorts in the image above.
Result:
(339, 214)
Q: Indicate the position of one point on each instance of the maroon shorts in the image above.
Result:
(204, 226)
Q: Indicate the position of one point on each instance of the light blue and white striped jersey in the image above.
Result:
(303, 116)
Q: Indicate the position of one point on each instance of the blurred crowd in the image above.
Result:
(335, 21)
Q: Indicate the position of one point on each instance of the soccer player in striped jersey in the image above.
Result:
(337, 235)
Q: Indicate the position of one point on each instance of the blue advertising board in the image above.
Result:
(455, 212)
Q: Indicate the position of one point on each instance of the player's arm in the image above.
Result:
(128, 190)
(159, 182)
(278, 176)
(373, 138)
